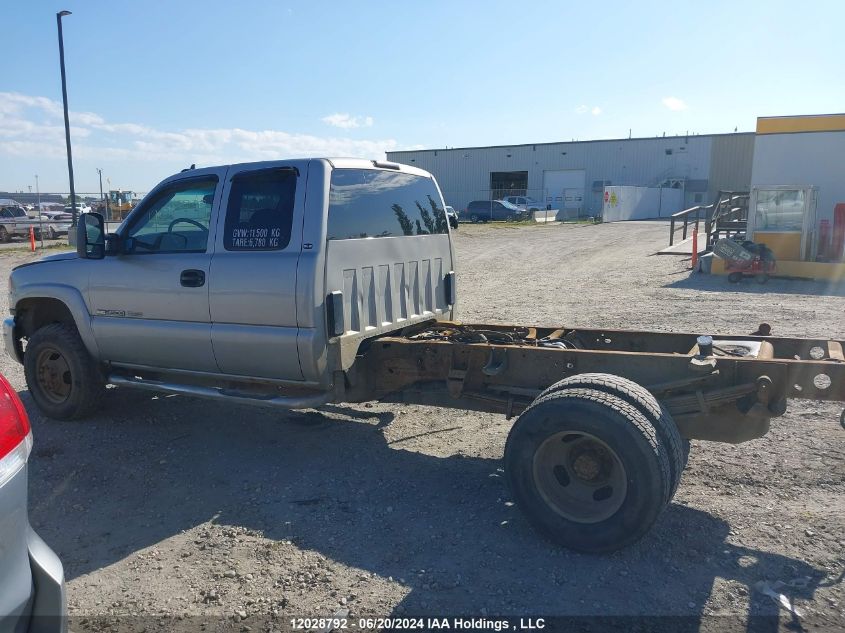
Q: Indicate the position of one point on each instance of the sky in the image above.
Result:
(158, 85)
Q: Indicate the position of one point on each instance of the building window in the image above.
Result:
(508, 183)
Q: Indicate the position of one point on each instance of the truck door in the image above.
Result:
(149, 306)
(253, 273)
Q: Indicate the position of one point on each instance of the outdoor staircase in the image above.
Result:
(727, 217)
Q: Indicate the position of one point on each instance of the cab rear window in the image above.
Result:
(379, 203)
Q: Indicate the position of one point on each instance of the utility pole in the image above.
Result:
(59, 17)
(100, 172)
(40, 217)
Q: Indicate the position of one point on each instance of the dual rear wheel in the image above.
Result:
(593, 462)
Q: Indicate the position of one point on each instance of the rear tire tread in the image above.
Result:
(657, 489)
(640, 397)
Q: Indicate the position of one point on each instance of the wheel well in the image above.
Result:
(33, 314)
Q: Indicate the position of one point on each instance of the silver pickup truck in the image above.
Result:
(14, 222)
(256, 274)
(296, 283)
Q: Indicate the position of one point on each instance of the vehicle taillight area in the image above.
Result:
(15, 432)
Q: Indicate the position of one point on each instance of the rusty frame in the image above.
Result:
(722, 398)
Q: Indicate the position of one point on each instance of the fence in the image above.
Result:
(567, 204)
(114, 205)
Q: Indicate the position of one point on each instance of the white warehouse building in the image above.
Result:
(573, 175)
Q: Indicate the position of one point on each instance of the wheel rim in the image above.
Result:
(473, 218)
(54, 376)
(580, 477)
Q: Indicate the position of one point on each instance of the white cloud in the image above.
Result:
(33, 127)
(674, 104)
(584, 109)
(346, 121)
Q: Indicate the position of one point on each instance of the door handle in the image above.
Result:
(192, 278)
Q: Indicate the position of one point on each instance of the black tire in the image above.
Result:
(509, 218)
(473, 218)
(77, 391)
(4, 235)
(572, 416)
(640, 397)
(53, 234)
(735, 278)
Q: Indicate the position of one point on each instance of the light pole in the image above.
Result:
(59, 17)
(40, 217)
(100, 172)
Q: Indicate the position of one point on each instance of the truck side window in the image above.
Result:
(259, 214)
(176, 220)
(380, 203)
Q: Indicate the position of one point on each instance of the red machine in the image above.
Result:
(746, 259)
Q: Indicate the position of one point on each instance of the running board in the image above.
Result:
(278, 402)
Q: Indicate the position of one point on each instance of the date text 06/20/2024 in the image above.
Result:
(410, 624)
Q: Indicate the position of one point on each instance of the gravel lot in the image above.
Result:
(169, 505)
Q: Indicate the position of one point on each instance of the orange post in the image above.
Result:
(32, 238)
(694, 249)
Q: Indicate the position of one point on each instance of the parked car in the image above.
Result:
(80, 208)
(452, 216)
(32, 583)
(15, 222)
(486, 210)
(526, 203)
(55, 224)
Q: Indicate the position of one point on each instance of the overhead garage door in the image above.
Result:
(564, 188)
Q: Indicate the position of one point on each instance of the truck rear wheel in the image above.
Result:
(4, 235)
(63, 379)
(635, 394)
(587, 469)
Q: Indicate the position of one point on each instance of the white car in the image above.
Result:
(80, 208)
(55, 223)
(525, 203)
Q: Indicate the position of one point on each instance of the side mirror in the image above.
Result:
(90, 236)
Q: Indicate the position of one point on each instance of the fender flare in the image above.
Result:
(72, 299)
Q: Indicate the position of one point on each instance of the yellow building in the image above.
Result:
(797, 202)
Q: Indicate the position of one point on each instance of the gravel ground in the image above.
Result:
(174, 506)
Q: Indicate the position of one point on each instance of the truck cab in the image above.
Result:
(274, 271)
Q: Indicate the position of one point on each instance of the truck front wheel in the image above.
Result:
(587, 469)
(63, 379)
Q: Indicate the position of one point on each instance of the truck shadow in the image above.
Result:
(149, 468)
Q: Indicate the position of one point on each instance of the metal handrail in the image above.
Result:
(712, 214)
(685, 214)
(725, 211)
